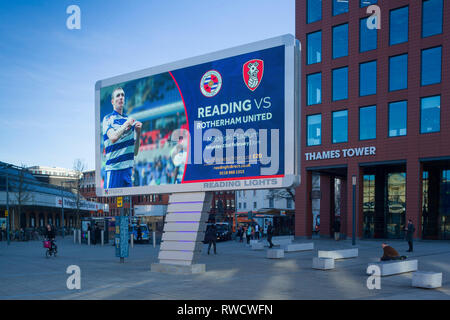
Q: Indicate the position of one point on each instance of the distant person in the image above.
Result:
(269, 234)
(410, 234)
(50, 235)
(249, 233)
(337, 228)
(257, 231)
(121, 136)
(211, 236)
(241, 234)
(139, 233)
(390, 253)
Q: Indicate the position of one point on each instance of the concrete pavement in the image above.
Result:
(236, 272)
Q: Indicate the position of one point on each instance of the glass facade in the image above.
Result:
(340, 126)
(431, 66)
(396, 204)
(368, 123)
(340, 84)
(432, 17)
(444, 206)
(398, 72)
(314, 11)
(368, 78)
(398, 25)
(340, 41)
(339, 7)
(314, 42)
(314, 83)
(314, 128)
(397, 118)
(367, 37)
(368, 205)
(430, 114)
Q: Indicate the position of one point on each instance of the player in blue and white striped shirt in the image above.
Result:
(121, 136)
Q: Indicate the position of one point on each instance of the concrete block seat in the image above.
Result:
(257, 246)
(323, 263)
(282, 240)
(389, 268)
(275, 253)
(427, 279)
(292, 247)
(339, 254)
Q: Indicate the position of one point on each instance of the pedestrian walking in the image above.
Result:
(410, 234)
(257, 231)
(241, 234)
(249, 233)
(337, 228)
(211, 236)
(269, 234)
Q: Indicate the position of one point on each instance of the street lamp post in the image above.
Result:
(62, 208)
(354, 211)
(7, 208)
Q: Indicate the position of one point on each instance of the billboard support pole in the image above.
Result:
(182, 243)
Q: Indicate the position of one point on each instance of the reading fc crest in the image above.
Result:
(253, 72)
(211, 83)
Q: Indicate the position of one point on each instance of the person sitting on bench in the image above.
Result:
(390, 253)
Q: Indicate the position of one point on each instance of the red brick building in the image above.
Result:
(376, 107)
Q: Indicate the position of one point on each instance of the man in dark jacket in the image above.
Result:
(50, 235)
(409, 235)
(270, 234)
(390, 253)
(337, 228)
(211, 236)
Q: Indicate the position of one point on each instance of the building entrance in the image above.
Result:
(384, 202)
(436, 201)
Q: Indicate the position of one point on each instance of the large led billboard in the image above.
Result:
(228, 120)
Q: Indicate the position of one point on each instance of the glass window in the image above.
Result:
(430, 114)
(398, 26)
(314, 127)
(398, 72)
(366, 3)
(314, 88)
(431, 66)
(368, 78)
(431, 17)
(368, 123)
(340, 6)
(340, 126)
(314, 11)
(314, 41)
(397, 118)
(367, 37)
(340, 41)
(340, 84)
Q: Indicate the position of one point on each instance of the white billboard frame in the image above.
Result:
(292, 125)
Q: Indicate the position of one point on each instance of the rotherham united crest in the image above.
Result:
(253, 72)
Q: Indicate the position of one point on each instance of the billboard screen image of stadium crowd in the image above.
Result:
(222, 121)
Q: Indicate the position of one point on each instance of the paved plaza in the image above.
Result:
(236, 272)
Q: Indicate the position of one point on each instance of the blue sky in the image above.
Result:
(49, 72)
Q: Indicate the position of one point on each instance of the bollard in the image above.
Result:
(103, 240)
(132, 240)
(74, 236)
(89, 238)
(154, 239)
(79, 236)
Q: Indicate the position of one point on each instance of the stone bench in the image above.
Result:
(281, 242)
(388, 268)
(323, 263)
(275, 253)
(253, 242)
(428, 280)
(339, 254)
(258, 246)
(298, 247)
